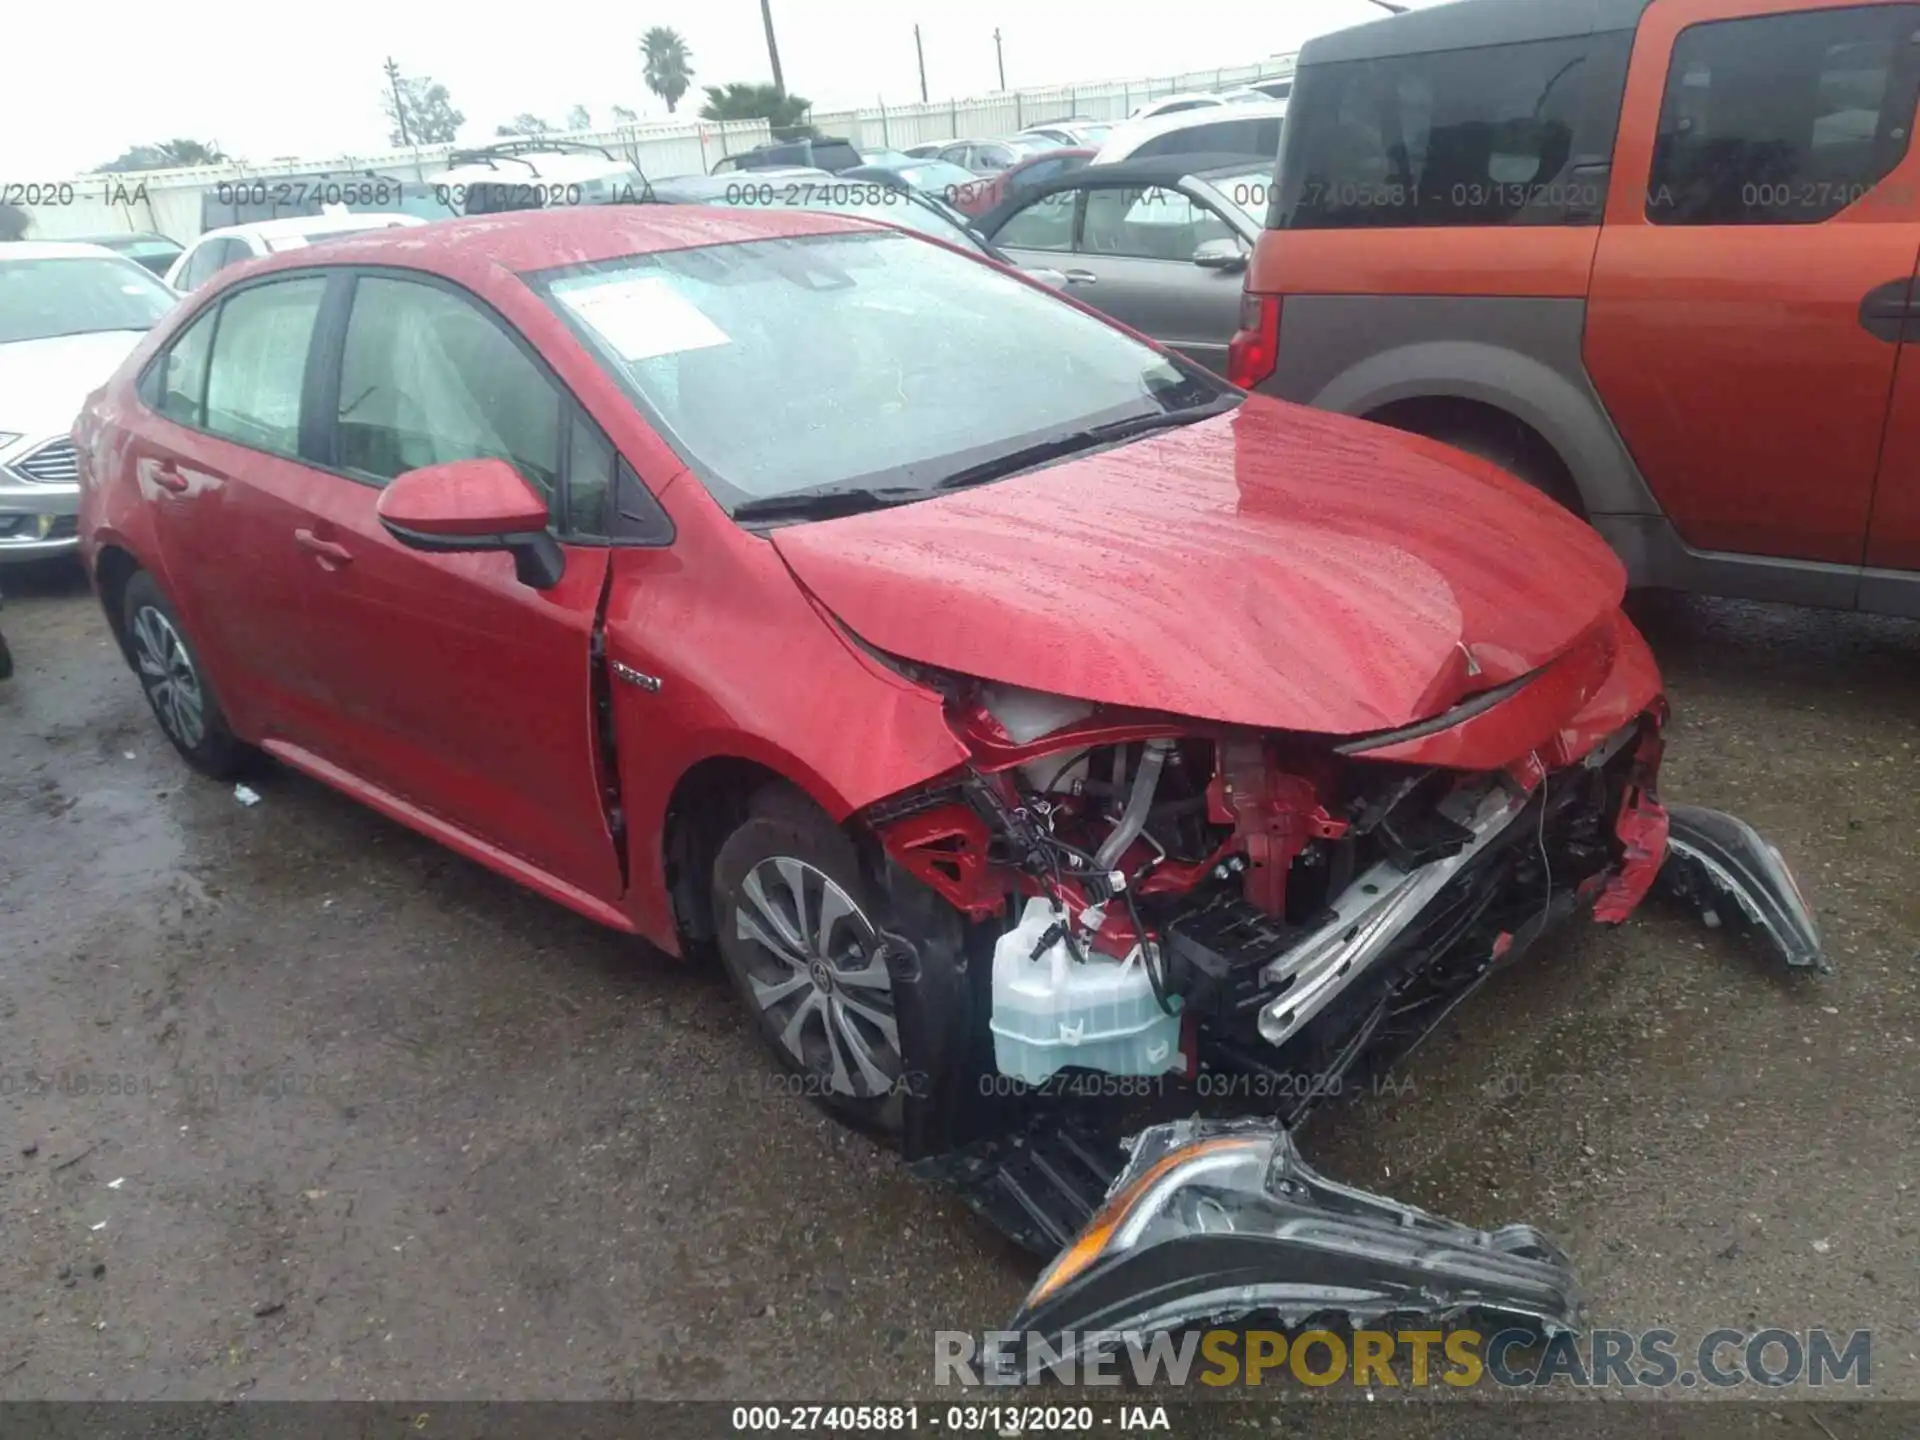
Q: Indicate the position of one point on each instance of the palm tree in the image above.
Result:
(191, 152)
(773, 50)
(669, 64)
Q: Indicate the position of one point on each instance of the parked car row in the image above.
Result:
(998, 695)
(994, 695)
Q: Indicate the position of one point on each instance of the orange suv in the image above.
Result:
(1654, 256)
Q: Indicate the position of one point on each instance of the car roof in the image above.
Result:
(1129, 135)
(315, 224)
(57, 250)
(120, 237)
(481, 249)
(684, 189)
(1156, 170)
(1469, 24)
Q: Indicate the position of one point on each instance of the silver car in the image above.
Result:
(1159, 244)
(69, 313)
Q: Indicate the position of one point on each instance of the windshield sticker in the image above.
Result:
(643, 318)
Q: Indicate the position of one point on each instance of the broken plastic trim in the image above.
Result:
(1214, 1223)
(1722, 866)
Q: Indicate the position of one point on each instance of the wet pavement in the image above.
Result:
(295, 1103)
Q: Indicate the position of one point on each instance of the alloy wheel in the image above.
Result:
(818, 972)
(172, 683)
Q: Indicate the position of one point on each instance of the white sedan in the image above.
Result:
(69, 313)
(217, 249)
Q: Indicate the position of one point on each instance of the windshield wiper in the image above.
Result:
(823, 504)
(1029, 456)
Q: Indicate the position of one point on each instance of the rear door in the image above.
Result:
(1763, 202)
(452, 685)
(222, 463)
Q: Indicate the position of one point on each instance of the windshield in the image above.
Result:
(820, 363)
(43, 298)
(868, 199)
(139, 247)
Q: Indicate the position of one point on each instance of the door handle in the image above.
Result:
(168, 477)
(1081, 277)
(330, 553)
(1887, 310)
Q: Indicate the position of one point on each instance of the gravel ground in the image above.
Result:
(336, 1114)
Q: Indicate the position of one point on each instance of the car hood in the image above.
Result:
(44, 382)
(1274, 567)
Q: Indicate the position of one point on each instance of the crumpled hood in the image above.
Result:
(44, 382)
(1275, 567)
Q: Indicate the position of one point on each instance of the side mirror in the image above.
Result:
(467, 505)
(1228, 254)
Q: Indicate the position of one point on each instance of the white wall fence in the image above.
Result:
(168, 201)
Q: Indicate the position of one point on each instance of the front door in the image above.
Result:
(453, 685)
(1763, 191)
(1133, 259)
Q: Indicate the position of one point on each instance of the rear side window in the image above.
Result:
(259, 363)
(1223, 137)
(202, 264)
(426, 377)
(1783, 119)
(183, 373)
(1497, 135)
(1147, 223)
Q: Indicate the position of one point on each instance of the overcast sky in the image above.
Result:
(87, 80)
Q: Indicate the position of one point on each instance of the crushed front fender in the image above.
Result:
(1722, 867)
(1218, 1222)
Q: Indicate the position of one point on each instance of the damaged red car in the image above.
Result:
(1004, 701)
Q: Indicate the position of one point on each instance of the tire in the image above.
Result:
(823, 1004)
(1515, 450)
(176, 685)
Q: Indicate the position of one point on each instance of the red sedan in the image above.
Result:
(1000, 697)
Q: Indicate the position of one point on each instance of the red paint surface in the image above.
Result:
(1642, 830)
(463, 497)
(1276, 567)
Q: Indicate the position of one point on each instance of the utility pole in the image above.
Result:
(399, 107)
(921, 55)
(999, 59)
(773, 50)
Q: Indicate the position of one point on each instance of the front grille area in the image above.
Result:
(55, 464)
(25, 529)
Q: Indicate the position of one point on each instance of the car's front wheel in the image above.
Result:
(176, 686)
(799, 930)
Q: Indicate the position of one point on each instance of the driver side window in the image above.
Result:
(427, 377)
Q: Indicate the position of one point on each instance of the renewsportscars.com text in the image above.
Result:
(1388, 1359)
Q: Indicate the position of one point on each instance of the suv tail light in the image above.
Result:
(1254, 352)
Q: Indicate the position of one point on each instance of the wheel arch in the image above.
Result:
(706, 800)
(1567, 417)
(114, 565)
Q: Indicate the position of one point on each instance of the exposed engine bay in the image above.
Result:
(1139, 896)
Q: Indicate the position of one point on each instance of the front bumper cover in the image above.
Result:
(1222, 1222)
